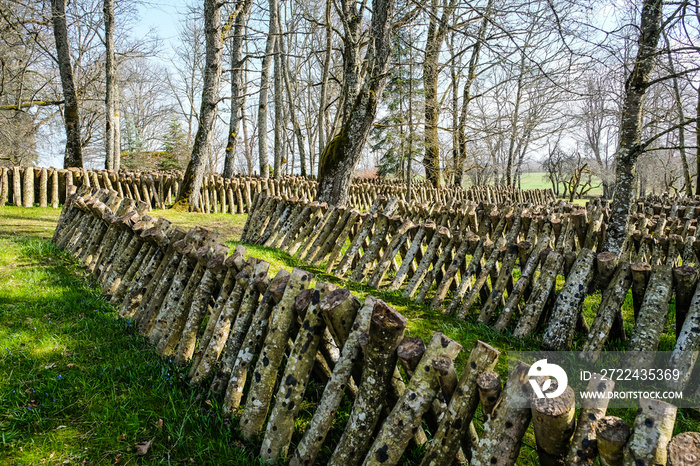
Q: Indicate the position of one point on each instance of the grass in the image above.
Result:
(77, 386)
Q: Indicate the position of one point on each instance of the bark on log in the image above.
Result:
(460, 411)
(504, 430)
(223, 325)
(612, 434)
(399, 239)
(474, 266)
(609, 311)
(313, 439)
(652, 317)
(410, 255)
(685, 351)
(541, 292)
(385, 333)
(261, 391)
(456, 263)
(685, 280)
(489, 385)
(652, 430)
(258, 283)
(553, 423)
(410, 351)
(296, 374)
(584, 449)
(562, 324)
(488, 309)
(441, 236)
(435, 273)
(641, 272)
(253, 340)
(405, 417)
(684, 449)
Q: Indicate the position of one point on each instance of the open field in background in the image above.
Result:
(77, 384)
(538, 180)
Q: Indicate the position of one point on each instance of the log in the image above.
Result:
(441, 236)
(296, 375)
(609, 311)
(338, 310)
(443, 287)
(553, 423)
(466, 276)
(253, 340)
(28, 185)
(685, 351)
(398, 241)
(652, 317)
(312, 441)
(435, 273)
(612, 434)
(651, 433)
(489, 385)
(504, 430)
(641, 272)
(460, 411)
(385, 333)
(541, 292)
(527, 273)
(4, 186)
(685, 280)
(222, 329)
(405, 417)
(488, 309)
(584, 447)
(684, 449)
(410, 351)
(606, 264)
(410, 255)
(265, 374)
(562, 324)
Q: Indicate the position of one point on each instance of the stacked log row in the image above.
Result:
(28, 186)
(505, 261)
(266, 337)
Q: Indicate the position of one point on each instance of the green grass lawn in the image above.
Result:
(78, 386)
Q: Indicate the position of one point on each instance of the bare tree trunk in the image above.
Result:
(237, 85)
(263, 151)
(437, 29)
(630, 124)
(324, 83)
(681, 118)
(188, 197)
(110, 81)
(71, 114)
(279, 103)
(341, 155)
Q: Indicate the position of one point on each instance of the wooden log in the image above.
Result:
(222, 329)
(253, 340)
(612, 434)
(226, 288)
(609, 311)
(652, 317)
(405, 417)
(312, 441)
(641, 272)
(297, 372)
(684, 449)
(410, 351)
(527, 273)
(43, 188)
(562, 324)
(606, 264)
(488, 309)
(474, 266)
(685, 280)
(28, 187)
(470, 243)
(214, 273)
(410, 255)
(504, 430)
(4, 186)
(385, 333)
(489, 385)
(651, 433)
(685, 351)
(239, 329)
(460, 411)
(400, 238)
(553, 423)
(541, 293)
(261, 392)
(338, 310)
(337, 236)
(584, 449)
(382, 225)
